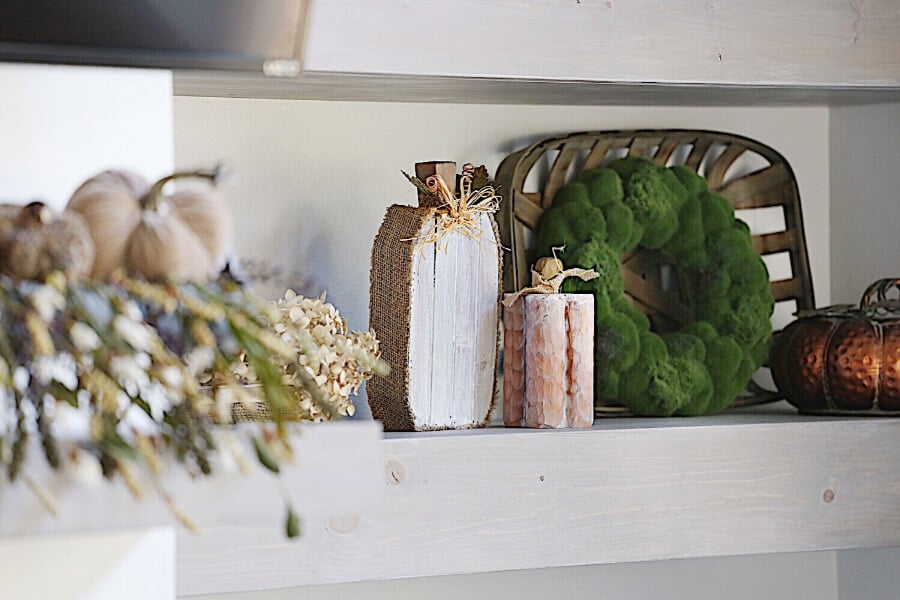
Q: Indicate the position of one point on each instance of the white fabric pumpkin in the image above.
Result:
(181, 236)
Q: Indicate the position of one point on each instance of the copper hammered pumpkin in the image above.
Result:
(843, 359)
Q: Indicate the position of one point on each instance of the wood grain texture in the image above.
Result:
(632, 490)
(446, 315)
(445, 169)
(421, 331)
(491, 90)
(453, 338)
(766, 42)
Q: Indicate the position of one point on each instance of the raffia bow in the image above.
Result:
(456, 215)
(547, 276)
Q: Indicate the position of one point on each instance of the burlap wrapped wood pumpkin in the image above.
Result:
(434, 305)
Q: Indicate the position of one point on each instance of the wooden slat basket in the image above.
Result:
(752, 176)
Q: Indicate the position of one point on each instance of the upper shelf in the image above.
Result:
(588, 52)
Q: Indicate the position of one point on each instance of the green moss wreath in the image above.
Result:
(701, 368)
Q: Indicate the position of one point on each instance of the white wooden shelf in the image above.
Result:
(587, 52)
(337, 470)
(363, 87)
(627, 490)
(440, 503)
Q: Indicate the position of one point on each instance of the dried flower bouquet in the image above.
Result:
(152, 367)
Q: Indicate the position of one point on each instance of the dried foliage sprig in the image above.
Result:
(131, 357)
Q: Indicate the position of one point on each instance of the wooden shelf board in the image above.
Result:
(586, 53)
(419, 504)
(627, 490)
(487, 90)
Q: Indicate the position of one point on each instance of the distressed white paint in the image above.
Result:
(453, 329)
(764, 42)
(138, 565)
(421, 332)
(445, 317)
(60, 125)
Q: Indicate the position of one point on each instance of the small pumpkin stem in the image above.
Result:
(878, 291)
(33, 213)
(151, 199)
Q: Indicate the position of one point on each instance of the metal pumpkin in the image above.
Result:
(843, 359)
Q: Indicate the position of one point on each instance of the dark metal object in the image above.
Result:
(843, 359)
(201, 34)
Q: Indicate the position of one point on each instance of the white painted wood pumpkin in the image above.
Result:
(435, 309)
(185, 235)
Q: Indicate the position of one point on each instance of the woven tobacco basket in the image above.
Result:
(749, 174)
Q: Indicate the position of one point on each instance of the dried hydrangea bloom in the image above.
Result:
(335, 357)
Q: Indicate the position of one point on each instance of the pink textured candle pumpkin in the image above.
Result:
(548, 361)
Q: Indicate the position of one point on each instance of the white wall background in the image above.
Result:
(60, 125)
(865, 197)
(313, 179)
(868, 574)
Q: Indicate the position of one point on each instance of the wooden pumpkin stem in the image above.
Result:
(34, 213)
(151, 199)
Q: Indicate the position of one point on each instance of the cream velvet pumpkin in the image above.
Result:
(185, 235)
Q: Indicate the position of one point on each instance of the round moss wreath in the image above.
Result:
(701, 368)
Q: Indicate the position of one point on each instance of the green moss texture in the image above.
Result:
(633, 202)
